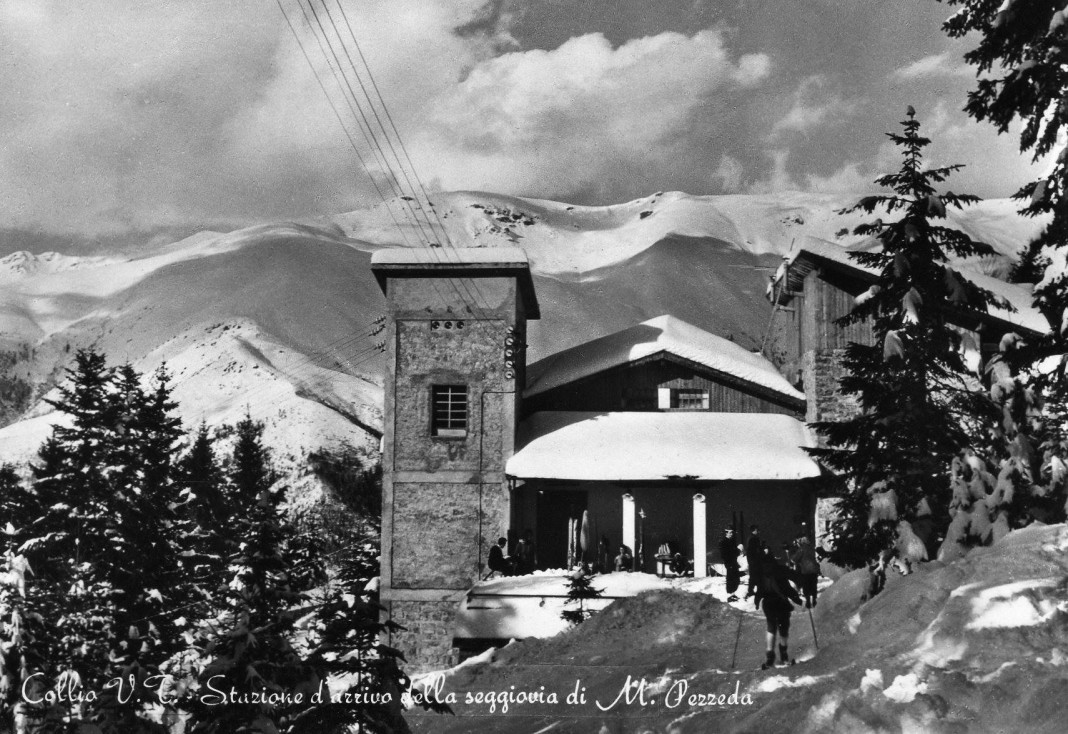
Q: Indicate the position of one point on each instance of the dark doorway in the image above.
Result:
(555, 508)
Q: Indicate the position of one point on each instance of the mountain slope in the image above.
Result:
(276, 319)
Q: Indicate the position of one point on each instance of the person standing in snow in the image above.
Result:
(754, 557)
(728, 551)
(774, 594)
(526, 560)
(804, 560)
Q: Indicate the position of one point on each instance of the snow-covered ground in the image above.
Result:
(978, 645)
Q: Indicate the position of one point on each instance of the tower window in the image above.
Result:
(448, 410)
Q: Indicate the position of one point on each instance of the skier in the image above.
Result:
(774, 594)
(804, 560)
(728, 551)
(754, 556)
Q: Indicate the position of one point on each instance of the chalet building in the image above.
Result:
(818, 283)
(660, 433)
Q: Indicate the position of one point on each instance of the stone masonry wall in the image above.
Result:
(427, 641)
(821, 371)
(435, 535)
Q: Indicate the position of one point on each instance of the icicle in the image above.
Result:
(892, 346)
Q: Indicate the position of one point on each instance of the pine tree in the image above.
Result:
(918, 407)
(102, 547)
(251, 646)
(580, 589)
(203, 512)
(345, 642)
(1022, 55)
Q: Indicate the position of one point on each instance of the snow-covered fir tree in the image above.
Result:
(918, 406)
(1022, 54)
(580, 589)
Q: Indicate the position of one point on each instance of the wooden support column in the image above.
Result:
(628, 523)
(700, 541)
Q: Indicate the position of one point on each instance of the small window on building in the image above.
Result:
(683, 398)
(448, 410)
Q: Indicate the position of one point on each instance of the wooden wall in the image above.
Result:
(823, 303)
(634, 388)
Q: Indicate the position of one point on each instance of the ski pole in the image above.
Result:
(737, 636)
(813, 623)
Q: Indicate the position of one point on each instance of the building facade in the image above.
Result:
(456, 326)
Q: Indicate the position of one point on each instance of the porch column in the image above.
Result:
(628, 523)
(700, 542)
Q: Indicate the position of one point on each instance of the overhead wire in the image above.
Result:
(364, 124)
(400, 139)
(384, 133)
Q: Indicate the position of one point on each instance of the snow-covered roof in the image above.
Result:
(449, 256)
(820, 252)
(661, 334)
(652, 446)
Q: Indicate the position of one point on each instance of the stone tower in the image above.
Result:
(456, 331)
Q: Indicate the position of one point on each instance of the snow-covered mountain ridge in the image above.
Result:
(276, 318)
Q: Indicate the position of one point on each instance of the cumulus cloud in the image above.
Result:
(130, 114)
(550, 122)
(813, 105)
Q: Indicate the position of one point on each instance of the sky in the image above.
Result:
(132, 114)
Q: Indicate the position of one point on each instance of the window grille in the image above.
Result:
(449, 410)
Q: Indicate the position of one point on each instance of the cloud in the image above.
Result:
(936, 65)
(778, 178)
(583, 115)
(126, 114)
(729, 174)
(813, 106)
